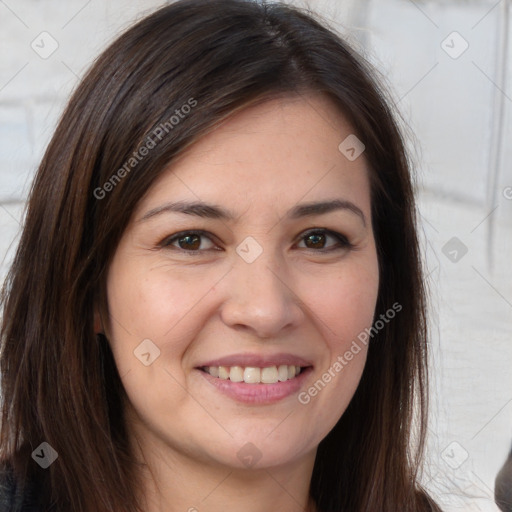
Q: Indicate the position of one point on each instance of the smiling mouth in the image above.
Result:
(254, 375)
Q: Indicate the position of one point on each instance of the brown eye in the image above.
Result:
(317, 239)
(189, 241)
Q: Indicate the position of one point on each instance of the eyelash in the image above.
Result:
(343, 242)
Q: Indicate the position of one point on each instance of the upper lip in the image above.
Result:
(257, 360)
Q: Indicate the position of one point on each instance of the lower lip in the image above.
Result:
(258, 393)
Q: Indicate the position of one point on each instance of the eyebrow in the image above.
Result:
(212, 211)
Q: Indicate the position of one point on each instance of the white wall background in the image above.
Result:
(449, 64)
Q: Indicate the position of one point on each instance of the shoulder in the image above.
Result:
(16, 496)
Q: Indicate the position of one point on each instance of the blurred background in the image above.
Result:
(448, 65)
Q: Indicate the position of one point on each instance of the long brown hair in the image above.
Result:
(59, 381)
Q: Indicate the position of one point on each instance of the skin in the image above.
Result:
(293, 298)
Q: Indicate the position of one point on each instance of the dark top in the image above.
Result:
(503, 486)
(15, 497)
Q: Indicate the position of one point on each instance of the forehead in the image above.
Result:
(266, 158)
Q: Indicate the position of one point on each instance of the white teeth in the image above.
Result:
(223, 372)
(269, 375)
(236, 374)
(282, 372)
(254, 375)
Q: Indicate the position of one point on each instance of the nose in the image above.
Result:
(260, 299)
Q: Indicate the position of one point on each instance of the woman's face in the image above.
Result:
(265, 286)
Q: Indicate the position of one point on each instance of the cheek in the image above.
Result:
(149, 302)
(160, 304)
(148, 311)
(345, 302)
(344, 307)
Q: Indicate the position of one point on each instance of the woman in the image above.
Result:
(217, 299)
